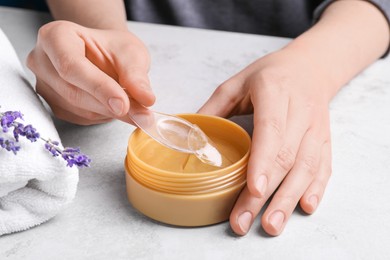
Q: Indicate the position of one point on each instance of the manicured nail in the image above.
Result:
(313, 201)
(276, 220)
(116, 105)
(261, 185)
(244, 221)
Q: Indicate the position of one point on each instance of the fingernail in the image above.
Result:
(276, 220)
(261, 185)
(244, 221)
(116, 105)
(313, 201)
(145, 87)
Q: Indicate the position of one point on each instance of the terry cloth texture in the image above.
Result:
(34, 186)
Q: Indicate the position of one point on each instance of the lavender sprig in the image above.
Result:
(8, 122)
(72, 156)
(9, 145)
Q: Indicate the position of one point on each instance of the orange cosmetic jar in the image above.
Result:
(178, 189)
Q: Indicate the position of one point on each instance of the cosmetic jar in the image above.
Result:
(177, 188)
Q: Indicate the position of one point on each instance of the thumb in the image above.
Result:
(225, 99)
(132, 67)
(135, 82)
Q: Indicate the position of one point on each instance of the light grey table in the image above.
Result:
(353, 221)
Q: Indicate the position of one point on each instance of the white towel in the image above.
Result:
(34, 185)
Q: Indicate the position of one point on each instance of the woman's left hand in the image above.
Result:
(291, 148)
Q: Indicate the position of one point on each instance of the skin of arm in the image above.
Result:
(345, 39)
(88, 64)
(91, 13)
(288, 92)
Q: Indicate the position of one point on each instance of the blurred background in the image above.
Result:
(29, 4)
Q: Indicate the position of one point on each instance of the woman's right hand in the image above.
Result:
(86, 75)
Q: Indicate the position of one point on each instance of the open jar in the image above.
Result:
(177, 188)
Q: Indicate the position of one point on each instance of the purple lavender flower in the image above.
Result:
(30, 133)
(18, 130)
(27, 131)
(8, 118)
(73, 156)
(81, 160)
(52, 148)
(71, 150)
(9, 145)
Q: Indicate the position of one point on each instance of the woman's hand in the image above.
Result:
(86, 75)
(291, 150)
(288, 92)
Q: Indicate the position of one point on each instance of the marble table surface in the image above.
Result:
(352, 221)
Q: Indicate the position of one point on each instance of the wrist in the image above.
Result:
(311, 69)
(110, 15)
(349, 36)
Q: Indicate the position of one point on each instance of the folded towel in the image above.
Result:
(34, 185)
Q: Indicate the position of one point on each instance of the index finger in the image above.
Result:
(68, 57)
(133, 67)
(270, 116)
